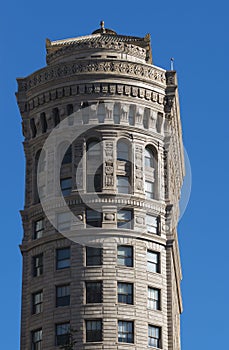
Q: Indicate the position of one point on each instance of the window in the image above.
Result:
(122, 150)
(116, 113)
(149, 158)
(37, 339)
(93, 149)
(38, 229)
(149, 189)
(63, 295)
(64, 221)
(66, 186)
(101, 112)
(154, 336)
(62, 258)
(125, 255)
(125, 293)
(93, 330)
(37, 265)
(131, 114)
(126, 331)
(94, 182)
(67, 156)
(93, 218)
(123, 185)
(94, 292)
(152, 224)
(154, 298)
(93, 256)
(62, 333)
(37, 302)
(43, 123)
(56, 116)
(124, 218)
(153, 261)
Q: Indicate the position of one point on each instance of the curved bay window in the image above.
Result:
(150, 172)
(94, 166)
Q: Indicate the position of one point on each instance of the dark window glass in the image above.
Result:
(153, 298)
(122, 150)
(56, 116)
(124, 218)
(36, 339)
(94, 182)
(62, 258)
(43, 122)
(149, 189)
(63, 295)
(93, 149)
(154, 336)
(123, 185)
(126, 331)
(68, 156)
(94, 292)
(131, 114)
(62, 334)
(152, 224)
(153, 261)
(125, 255)
(93, 256)
(149, 158)
(37, 302)
(125, 293)
(66, 186)
(38, 228)
(38, 265)
(93, 330)
(93, 218)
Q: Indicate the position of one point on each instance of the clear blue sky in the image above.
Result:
(196, 34)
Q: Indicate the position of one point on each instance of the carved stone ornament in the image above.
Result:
(109, 216)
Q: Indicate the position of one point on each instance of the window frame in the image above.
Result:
(125, 257)
(155, 302)
(93, 256)
(121, 186)
(128, 323)
(63, 300)
(37, 307)
(125, 223)
(127, 296)
(38, 233)
(60, 260)
(154, 229)
(156, 264)
(39, 266)
(59, 337)
(99, 332)
(123, 155)
(36, 345)
(94, 296)
(158, 340)
(93, 221)
(149, 193)
(66, 190)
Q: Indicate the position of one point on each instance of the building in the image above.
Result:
(123, 293)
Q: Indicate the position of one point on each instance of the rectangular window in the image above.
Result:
(63, 295)
(64, 221)
(154, 296)
(93, 218)
(149, 189)
(62, 333)
(152, 224)
(94, 292)
(38, 229)
(37, 302)
(62, 258)
(93, 256)
(124, 218)
(38, 265)
(153, 261)
(125, 255)
(123, 185)
(126, 331)
(125, 293)
(66, 186)
(36, 339)
(93, 330)
(154, 336)
(94, 183)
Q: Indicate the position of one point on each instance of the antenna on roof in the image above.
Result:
(171, 63)
(102, 27)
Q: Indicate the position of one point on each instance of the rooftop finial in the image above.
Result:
(102, 27)
(171, 63)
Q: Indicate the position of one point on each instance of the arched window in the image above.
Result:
(149, 158)
(94, 166)
(101, 112)
(122, 150)
(43, 123)
(116, 113)
(56, 116)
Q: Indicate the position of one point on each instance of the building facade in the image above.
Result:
(114, 283)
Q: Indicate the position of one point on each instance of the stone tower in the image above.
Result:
(110, 279)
